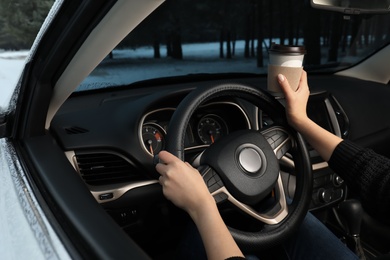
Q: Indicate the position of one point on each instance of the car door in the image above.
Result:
(63, 219)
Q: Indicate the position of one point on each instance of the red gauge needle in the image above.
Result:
(150, 146)
(212, 138)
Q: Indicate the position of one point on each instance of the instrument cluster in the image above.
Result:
(208, 124)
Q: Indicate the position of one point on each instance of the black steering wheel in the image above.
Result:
(243, 167)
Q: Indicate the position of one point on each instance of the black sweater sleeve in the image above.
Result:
(367, 174)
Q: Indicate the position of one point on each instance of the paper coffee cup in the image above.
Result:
(286, 60)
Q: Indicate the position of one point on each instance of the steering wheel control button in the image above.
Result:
(250, 160)
(220, 197)
(212, 180)
(275, 139)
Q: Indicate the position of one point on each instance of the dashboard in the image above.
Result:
(110, 137)
(102, 134)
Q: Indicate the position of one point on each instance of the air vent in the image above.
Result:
(105, 168)
(74, 130)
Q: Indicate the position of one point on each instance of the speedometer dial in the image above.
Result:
(211, 128)
(153, 138)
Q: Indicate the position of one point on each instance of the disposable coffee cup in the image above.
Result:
(286, 60)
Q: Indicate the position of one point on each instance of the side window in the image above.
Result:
(20, 22)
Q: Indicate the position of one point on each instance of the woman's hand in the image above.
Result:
(183, 185)
(323, 141)
(296, 101)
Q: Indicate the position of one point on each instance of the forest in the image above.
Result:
(225, 21)
(20, 21)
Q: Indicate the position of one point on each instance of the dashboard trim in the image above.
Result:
(117, 192)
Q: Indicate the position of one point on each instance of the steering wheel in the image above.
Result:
(243, 167)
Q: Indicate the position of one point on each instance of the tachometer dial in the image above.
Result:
(210, 128)
(153, 137)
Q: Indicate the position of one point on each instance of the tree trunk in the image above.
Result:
(234, 39)
(271, 11)
(290, 22)
(228, 45)
(247, 37)
(260, 34)
(282, 20)
(177, 52)
(169, 46)
(156, 48)
(335, 37)
(312, 35)
(221, 40)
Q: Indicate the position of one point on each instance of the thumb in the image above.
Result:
(285, 86)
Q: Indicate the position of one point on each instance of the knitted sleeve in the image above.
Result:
(367, 174)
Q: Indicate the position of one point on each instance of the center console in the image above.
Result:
(328, 187)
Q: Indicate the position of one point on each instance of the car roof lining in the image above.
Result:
(97, 46)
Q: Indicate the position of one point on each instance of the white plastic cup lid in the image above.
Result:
(286, 55)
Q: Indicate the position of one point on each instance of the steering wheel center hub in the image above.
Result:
(251, 159)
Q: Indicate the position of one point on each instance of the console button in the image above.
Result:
(338, 181)
(324, 195)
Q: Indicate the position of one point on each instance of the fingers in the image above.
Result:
(303, 82)
(168, 165)
(285, 85)
(162, 169)
(161, 180)
(165, 158)
(283, 82)
(303, 77)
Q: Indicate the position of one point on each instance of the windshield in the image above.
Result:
(185, 37)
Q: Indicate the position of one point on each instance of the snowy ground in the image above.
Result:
(132, 65)
(11, 65)
(137, 65)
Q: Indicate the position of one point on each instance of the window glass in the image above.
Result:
(195, 37)
(20, 21)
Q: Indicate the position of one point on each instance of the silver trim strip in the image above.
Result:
(333, 117)
(275, 219)
(72, 159)
(317, 166)
(257, 124)
(116, 190)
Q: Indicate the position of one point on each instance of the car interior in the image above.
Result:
(91, 153)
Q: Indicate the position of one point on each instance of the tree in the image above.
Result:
(335, 37)
(260, 34)
(312, 35)
(21, 21)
